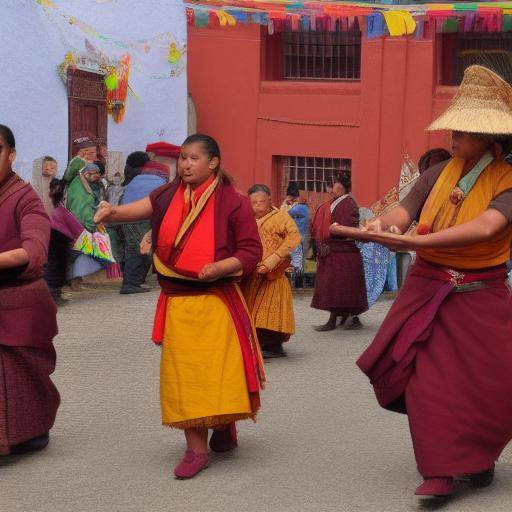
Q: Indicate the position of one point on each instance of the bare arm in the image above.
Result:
(398, 217)
(481, 229)
(14, 258)
(133, 212)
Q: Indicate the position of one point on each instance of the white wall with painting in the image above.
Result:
(35, 37)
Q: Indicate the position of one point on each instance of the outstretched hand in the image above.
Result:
(104, 212)
(392, 240)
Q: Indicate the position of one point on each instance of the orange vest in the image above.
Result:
(439, 213)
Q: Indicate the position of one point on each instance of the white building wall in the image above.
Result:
(33, 98)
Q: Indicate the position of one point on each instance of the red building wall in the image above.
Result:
(374, 121)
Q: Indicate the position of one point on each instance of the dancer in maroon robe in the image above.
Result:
(28, 398)
(443, 355)
(340, 285)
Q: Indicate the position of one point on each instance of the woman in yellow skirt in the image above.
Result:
(268, 291)
(205, 240)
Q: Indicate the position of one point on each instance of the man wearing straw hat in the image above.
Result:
(444, 353)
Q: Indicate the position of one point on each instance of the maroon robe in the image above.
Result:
(340, 285)
(28, 398)
(444, 355)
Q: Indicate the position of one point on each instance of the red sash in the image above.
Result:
(197, 247)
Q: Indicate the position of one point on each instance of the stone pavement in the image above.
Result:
(321, 442)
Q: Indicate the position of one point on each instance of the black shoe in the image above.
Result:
(61, 302)
(133, 289)
(354, 324)
(32, 445)
(273, 353)
(483, 479)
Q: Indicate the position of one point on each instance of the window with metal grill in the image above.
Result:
(461, 50)
(312, 174)
(322, 55)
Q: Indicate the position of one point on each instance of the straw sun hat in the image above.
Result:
(483, 104)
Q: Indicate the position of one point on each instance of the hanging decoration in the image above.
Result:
(172, 50)
(392, 18)
(117, 88)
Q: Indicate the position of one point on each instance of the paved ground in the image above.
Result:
(321, 443)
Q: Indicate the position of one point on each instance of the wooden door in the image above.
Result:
(87, 107)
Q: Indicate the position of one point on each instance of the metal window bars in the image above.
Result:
(323, 55)
(312, 174)
(493, 51)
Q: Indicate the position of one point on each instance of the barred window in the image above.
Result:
(461, 50)
(312, 174)
(322, 55)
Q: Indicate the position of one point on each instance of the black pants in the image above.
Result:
(59, 253)
(137, 265)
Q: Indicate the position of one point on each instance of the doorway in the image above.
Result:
(87, 108)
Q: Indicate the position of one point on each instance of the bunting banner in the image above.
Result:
(172, 50)
(394, 18)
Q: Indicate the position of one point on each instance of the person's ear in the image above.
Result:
(12, 156)
(214, 163)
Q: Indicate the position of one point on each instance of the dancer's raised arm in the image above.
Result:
(138, 210)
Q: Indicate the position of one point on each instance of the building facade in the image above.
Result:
(300, 106)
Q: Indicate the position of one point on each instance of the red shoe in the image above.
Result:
(436, 487)
(191, 464)
(224, 440)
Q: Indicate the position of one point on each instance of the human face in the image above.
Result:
(195, 165)
(89, 154)
(49, 169)
(92, 176)
(104, 151)
(468, 146)
(7, 157)
(261, 203)
(338, 189)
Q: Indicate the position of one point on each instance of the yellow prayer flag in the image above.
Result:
(399, 23)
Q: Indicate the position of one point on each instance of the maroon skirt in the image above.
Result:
(28, 398)
(340, 285)
(444, 356)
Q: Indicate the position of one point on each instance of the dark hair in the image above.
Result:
(345, 179)
(433, 157)
(101, 167)
(49, 159)
(209, 143)
(212, 149)
(504, 141)
(293, 190)
(57, 191)
(6, 133)
(259, 188)
(137, 159)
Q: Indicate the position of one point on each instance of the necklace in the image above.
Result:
(466, 183)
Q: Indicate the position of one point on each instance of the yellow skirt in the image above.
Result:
(270, 303)
(202, 377)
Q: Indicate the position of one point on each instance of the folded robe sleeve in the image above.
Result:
(34, 234)
(292, 238)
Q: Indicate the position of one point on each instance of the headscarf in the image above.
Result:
(41, 184)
